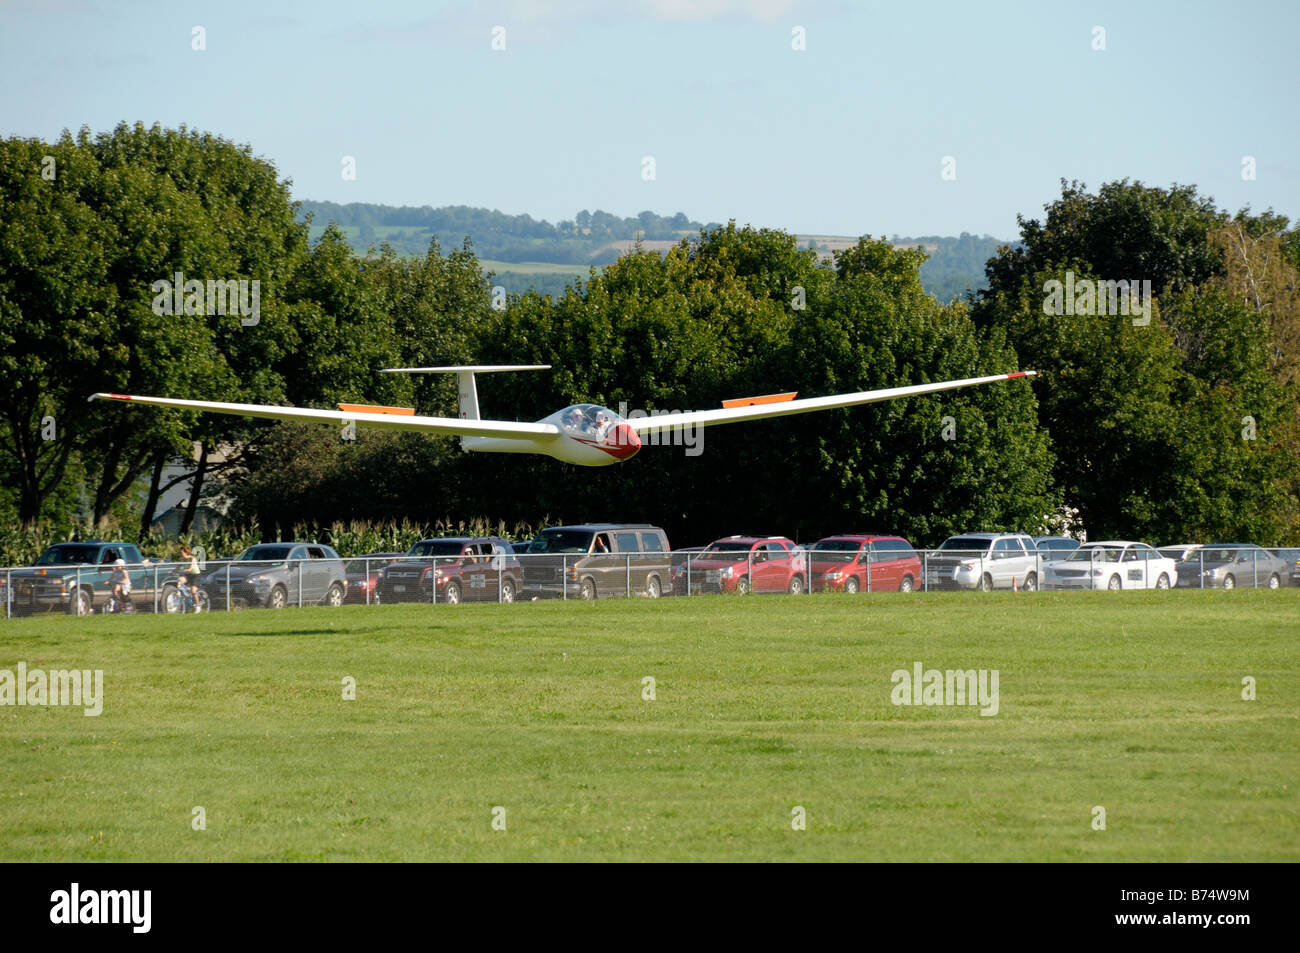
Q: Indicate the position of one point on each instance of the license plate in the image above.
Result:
(712, 575)
(399, 588)
(477, 582)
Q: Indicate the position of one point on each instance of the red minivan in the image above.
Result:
(744, 564)
(867, 563)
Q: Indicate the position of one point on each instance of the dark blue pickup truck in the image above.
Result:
(76, 577)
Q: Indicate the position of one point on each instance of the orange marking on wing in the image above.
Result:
(765, 399)
(376, 409)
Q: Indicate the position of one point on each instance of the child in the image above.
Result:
(189, 579)
(121, 584)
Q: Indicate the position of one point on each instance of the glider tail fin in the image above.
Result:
(466, 390)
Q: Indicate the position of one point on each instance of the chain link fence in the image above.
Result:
(377, 580)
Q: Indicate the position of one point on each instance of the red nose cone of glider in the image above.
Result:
(622, 442)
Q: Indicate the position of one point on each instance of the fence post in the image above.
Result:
(9, 593)
(365, 566)
(77, 594)
(501, 562)
(627, 568)
(300, 584)
(925, 571)
(688, 573)
(1200, 559)
(1254, 568)
(870, 553)
(750, 572)
(564, 578)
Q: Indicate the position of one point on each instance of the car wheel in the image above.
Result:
(453, 593)
(588, 591)
(1229, 582)
(986, 583)
(204, 603)
(1274, 582)
(335, 595)
(742, 586)
(171, 599)
(796, 585)
(907, 585)
(1163, 581)
(851, 584)
(82, 603)
(1031, 583)
(1114, 585)
(507, 591)
(652, 588)
(279, 598)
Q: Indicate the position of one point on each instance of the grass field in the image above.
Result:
(1132, 702)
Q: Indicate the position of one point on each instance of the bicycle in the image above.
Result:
(116, 606)
(182, 599)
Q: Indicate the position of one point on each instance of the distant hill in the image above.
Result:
(522, 252)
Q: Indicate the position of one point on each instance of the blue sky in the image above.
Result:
(847, 136)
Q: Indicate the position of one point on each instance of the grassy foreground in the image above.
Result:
(1132, 702)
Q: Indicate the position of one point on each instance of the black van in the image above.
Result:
(595, 560)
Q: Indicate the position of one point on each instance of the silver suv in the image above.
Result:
(985, 561)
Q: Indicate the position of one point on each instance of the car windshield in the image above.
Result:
(561, 541)
(373, 564)
(265, 553)
(836, 550)
(68, 555)
(969, 543)
(728, 550)
(437, 547)
(1227, 554)
(1086, 554)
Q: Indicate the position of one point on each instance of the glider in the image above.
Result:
(583, 434)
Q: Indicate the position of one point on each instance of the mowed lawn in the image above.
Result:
(1131, 702)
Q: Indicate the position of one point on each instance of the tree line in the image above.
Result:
(1181, 428)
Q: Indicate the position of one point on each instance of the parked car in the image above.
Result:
(985, 561)
(75, 577)
(596, 560)
(275, 575)
(1054, 548)
(869, 563)
(363, 576)
(1235, 565)
(474, 568)
(741, 564)
(1187, 558)
(1180, 552)
(1292, 558)
(1114, 565)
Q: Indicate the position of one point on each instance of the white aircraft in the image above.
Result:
(585, 434)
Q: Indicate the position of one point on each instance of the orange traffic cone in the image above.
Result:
(1013, 584)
